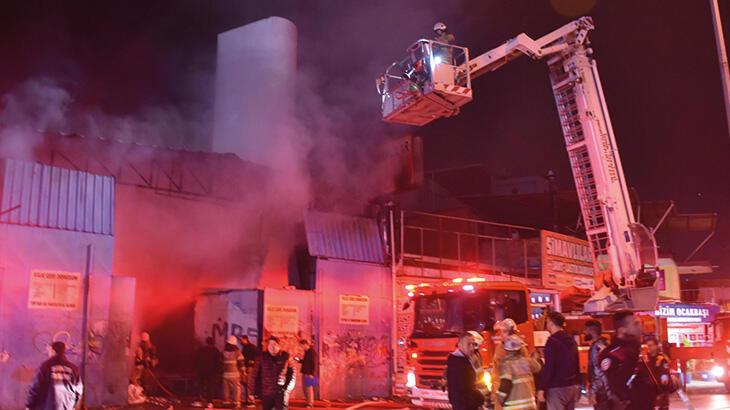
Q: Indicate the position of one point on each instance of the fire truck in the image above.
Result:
(442, 312)
(434, 81)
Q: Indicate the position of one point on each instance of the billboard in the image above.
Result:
(566, 262)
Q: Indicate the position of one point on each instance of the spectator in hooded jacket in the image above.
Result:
(560, 377)
(57, 384)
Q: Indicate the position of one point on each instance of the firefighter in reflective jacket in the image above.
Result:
(658, 363)
(627, 378)
(516, 377)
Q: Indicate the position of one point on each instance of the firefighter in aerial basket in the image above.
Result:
(441, 34)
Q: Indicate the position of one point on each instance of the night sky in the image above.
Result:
(657, 61)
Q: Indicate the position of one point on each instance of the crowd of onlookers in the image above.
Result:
(620, 377)
(240, 373)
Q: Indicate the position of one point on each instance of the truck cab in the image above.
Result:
(442, 313)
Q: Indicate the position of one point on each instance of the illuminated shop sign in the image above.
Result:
(676, 313)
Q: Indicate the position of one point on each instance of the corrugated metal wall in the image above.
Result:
(48, 197)
(42, 285)
(343, 237)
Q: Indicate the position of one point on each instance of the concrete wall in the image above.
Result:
(355, 356)
(26, 332)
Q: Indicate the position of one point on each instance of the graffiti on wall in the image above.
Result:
(221, 329)
(359, 360)
(227, 314)
(42, 342)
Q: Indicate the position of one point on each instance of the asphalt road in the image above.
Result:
(701, 401)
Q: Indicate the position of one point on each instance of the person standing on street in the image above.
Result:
(627, 380)
(503, 329)
(516, 381)
(208, 366)
(232, 366)
(461, 375)
(658, 364)
(57, 384)
(560, 378)
(596, 389)
(277, 376)
(250, 355)
(308, 372)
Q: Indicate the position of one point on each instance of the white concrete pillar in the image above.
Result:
(254, 90)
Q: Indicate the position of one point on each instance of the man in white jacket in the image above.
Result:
(57, 385)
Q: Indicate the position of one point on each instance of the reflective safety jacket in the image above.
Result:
(517, 382)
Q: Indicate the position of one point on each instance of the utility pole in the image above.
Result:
(85, 320)
(722, 57)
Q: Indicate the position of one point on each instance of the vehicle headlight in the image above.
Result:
(718, 371)
(410, 379)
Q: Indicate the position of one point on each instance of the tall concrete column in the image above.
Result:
(254, 118)
(254, 89)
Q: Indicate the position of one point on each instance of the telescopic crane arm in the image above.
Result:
(622, 249)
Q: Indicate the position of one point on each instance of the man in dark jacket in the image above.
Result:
(208, 367)
(308, 372)
(659, 367)
(277, 376)
(627, 378)
(250, 355)
(597, 389)
(560, 377)
(462, 377)
(57, 385)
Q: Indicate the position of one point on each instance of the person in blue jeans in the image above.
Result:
(309, 371)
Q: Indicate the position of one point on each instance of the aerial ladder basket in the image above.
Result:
(431, 82)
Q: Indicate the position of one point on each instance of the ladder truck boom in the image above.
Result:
(619, 245)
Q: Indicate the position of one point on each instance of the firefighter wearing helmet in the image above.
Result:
(441, 35)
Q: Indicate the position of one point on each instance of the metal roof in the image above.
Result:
(42, 196)
(345, 237)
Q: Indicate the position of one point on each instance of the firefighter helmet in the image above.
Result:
(440, 26)
(513, 343)
(507, 325)
(478, 338)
